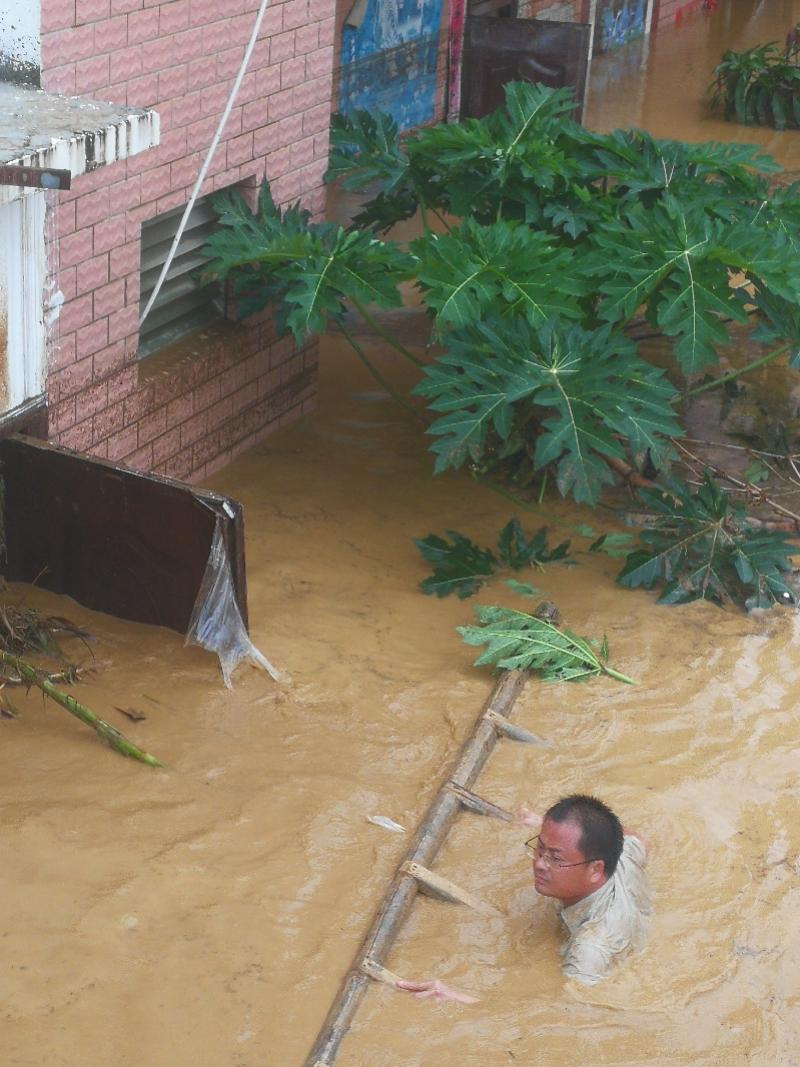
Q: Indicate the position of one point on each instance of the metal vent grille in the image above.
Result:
(182, 305)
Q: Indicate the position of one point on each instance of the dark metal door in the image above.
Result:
(134, 545)
(497, 51)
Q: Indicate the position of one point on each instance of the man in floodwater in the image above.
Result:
(594, 869)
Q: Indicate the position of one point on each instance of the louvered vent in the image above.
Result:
(182, 305)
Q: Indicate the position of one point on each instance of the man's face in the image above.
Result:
(559, 845)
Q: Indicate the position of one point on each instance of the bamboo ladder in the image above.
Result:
(414, 874)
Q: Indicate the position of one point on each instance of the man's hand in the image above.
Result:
(530, 818)
(433, 989)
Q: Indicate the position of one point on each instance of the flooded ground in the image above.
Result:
(205, 914)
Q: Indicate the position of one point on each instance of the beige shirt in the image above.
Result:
(611, 922)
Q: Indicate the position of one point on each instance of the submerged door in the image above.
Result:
(501, 50)
(130, 544)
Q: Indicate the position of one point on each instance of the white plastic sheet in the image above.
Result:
(216, 622)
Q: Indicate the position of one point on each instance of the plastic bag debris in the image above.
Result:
(216, 623)
(386, 823)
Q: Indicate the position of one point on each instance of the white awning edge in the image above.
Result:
(41, 129)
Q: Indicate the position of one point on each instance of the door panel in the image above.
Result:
(130, 544)
(497, 51)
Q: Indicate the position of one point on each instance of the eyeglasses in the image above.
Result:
(537, 851)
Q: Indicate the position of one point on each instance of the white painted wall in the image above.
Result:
(20, 34)
(22, 293)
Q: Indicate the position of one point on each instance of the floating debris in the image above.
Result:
(386, 823)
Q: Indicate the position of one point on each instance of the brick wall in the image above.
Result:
(676, 12)
(665, 11)
(186, 410)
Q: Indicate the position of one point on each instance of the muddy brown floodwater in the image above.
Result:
(203, 915)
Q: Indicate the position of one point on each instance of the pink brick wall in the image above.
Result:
(664, 13)
(172, 413)
(677, 12)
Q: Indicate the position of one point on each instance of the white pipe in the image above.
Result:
(207, 162)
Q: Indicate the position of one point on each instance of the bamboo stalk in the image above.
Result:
(109, 733)
(401, 892)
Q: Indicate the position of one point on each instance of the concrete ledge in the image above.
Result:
(40, 129)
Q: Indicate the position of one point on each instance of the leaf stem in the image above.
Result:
(616, 674)
(109, 733)
(384, 334)
(742, 370)
(379, 378)
(442, 219)
(423, 215)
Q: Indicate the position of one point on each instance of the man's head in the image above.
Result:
(578, 848)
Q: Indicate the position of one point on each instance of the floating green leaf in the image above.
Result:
(612, 544)
(459, 566)
(523, 588)
(518, 641)
(517, 551)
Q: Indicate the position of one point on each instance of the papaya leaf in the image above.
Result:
(502, 164)
(309, 269)
(675, 263)
(504, 267)
(700, 546)
(459, 566)
(516, 550)
(648, 169)
(365, 148)
(516, 640)
(523, 588)
(587, 389)
(615, 545)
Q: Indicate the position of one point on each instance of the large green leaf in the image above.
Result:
(459, 565)
(588, 390)
(644, 169)
(516, 550)
(365, 148)
(505, 268)
(309, 269)
(700, 546)
(500, 165)
(677, 265)
(517, 641)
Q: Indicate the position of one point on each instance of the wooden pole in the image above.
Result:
(479, 804)
(403, 888)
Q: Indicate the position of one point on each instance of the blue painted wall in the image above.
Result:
(620, 21)
(389, 61)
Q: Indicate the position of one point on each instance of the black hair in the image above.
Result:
(601, 831)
